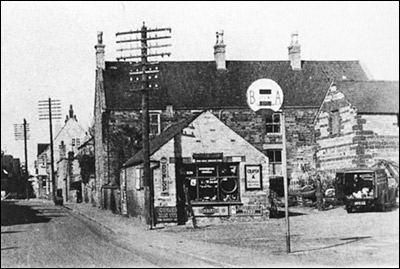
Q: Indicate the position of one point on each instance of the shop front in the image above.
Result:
(203, 168)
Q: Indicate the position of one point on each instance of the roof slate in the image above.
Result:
(372, 96)
(199, 85)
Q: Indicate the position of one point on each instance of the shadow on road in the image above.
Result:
(9, 248)
(14, 213)
(281, 214)
(347, 240)
(11, 232)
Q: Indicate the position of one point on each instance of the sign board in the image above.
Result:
(253, 177)
(166, 214)
(247, 210)
(211, 211)
(264, 94)
(164, 177)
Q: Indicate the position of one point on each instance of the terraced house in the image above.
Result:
(219, 87)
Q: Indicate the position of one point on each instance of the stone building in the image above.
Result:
(219, 86)
(358, 124)
(225, 175)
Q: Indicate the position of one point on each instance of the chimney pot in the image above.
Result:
(219, 51)
(294, 52)
(100, 62)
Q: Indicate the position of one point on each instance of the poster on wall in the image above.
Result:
(253, 177)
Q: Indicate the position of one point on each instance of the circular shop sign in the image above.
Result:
(264, 94)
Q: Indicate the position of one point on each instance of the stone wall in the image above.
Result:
(362, 139)
(123, 126)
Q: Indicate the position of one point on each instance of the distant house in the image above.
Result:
(219, 86)
(68, 139)
(224, 173)
(358, 124)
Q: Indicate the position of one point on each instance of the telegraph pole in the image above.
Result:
(50, 110)
(144, 81)
(25, 136)
(26, 159)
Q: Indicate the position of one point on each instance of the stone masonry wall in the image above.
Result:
(362, 139)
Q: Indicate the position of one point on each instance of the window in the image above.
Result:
(273, 123)
(275, 161)
(155, 124)
(335, 122)
(213, 182)
(76, 142)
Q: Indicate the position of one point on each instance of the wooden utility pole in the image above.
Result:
(144, 81)
(24, 135)
(50, 110)
(26, 159)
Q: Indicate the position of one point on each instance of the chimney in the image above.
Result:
(100, 62)
(294, 52)
(219, 51)
(62, 150)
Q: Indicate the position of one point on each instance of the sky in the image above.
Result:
(47, 48)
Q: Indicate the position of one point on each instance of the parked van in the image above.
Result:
(364, 189)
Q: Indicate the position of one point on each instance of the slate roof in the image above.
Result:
(199, 85)
(372, 96)
(41, 148)
(161, 140)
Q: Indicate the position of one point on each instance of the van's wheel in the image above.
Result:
(349, 209)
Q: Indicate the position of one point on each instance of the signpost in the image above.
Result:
(266, 95)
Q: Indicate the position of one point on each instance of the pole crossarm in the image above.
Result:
(140, 31)
(147, 55)
(142, 39)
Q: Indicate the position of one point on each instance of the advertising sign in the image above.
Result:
(166, 214)
(253, 177)
(264, 94)
(211, 211)
(164, 177)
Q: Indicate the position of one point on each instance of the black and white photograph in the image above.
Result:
(200, 134)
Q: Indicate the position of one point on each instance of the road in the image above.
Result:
(41, 235)
(38, 235)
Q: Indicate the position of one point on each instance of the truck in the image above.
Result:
(365, 189)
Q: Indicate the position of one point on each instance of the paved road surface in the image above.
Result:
(38, 234)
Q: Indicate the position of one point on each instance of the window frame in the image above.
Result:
(276, 126)
(151, 124)
(273, 163)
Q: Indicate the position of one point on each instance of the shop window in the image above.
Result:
(213, 182)
(155, 127)
(275, 162)
(273, 123)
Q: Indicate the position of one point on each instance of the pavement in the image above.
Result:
(318, 239)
